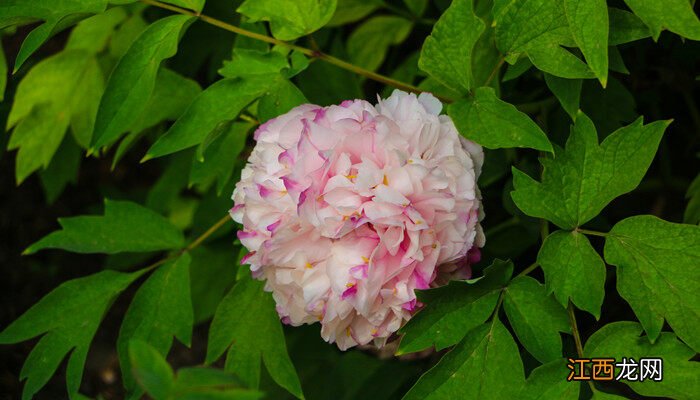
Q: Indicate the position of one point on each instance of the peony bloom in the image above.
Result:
(348, 209)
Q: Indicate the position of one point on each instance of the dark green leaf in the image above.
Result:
(536, 318)
(195, 5)
(692, 210)
(62, 170)
(150, 369)
(349, 11)
(161, 309)
(369, 43)
(548, 382)
(625, 27)
(475, 368)
(657, 273)
(567, 91)
(67, 318)
(125, 227)
(212, 275)
(622, 339)
(218, 103)
(447, 53)
(133, 80)
(453, 310)
(247, 324)
(290, 19)
(493, 123)
(280, 100)
(573, 270)
(220, 157)
(583, 178)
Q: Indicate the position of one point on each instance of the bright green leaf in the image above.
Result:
(62, 170)
(675, 15)
(59, 92)
(348, 11)
(280, 100)
(290, 19)
(622, 339)
(247, 324)
(56, 14)
(657, 273)
(536, 318)
(218, 103)
(133, 79)
(475, 368)
(195, 5)
(125, 227)
(548, 382)
(246, 62)
(93, 34)
(453, 310)
(588, 24)
(150, 369)
(447, 53)
(573, 270)
(494, 124)
(369, 43)
(161, 309)
(68, 318)
(579, 181)
(567, 91)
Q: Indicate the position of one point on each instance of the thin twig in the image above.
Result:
(594, 233)
(577, 336)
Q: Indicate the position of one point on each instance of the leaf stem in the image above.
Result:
(529, 269)
(494, 71)
(577, 336)
(593, 233)
(306, 51)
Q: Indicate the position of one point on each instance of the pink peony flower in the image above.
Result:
(347, 209)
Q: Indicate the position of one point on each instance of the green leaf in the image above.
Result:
(348, 11)
(125, 227)
(625, 27)
(453, 310)
(290, 19)
(280, 100)
(247, 324)
(195, 5)
(56, 14)
(567, 91)
(67, 318)
(62, 170)
(447, 53)
(369, 43)
(588, 24)
(548, 382)
(573, 270)
(211, 279)
(93, 34)
(675, 15)
(475, 368)
(515, 70)
(150, 369)
(536, 318)
(200, 383)
(247, 62)
(3, 73)
(220, 157)
(622, 339)
(57, 93)
(218, 103)
(494, 124)
(692, 210)
(161, 309)
(133, 79)
(417, 7)
(657, 273)
(171, 96)
(538, 28)
(579, 181)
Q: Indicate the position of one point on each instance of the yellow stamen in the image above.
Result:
(373, 331)
(347, 331)
(283, 191)
(410, 161)
(385, 181)
(418, 222)
(349, 285)
(434, 245)
(351, 176)
(308, 265)
(365, 259)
